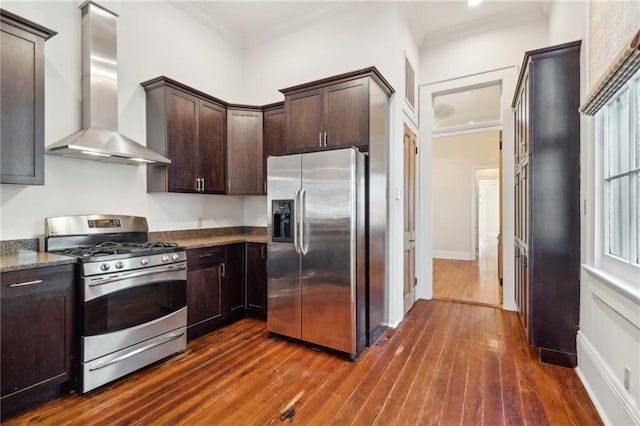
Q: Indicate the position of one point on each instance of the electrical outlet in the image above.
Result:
(627, 378)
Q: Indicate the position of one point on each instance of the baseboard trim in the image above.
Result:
(456, 255)
(614, 390)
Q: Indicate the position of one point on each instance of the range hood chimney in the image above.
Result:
(99, 138)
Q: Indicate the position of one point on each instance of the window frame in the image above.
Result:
(628, 270)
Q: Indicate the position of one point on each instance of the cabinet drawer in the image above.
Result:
(206, 256)
(31, 281)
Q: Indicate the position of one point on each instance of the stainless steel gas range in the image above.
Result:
(132, 293)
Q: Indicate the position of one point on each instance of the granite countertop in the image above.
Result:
(219, 240)
(32, 259)
(16, 255)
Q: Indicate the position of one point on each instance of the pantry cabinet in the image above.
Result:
(37, 319)
(547, 203)
(332, 113)
(189, 128)
(22, 99)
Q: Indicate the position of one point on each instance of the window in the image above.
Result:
(620, 224)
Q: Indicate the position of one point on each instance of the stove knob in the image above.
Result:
(104, 266)
(175, 256)
(119, 264)
(144, 261)
(165, 258)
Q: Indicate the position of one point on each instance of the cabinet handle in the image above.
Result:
(201, 184)
(325, 139)
(224, 270)
(262, 251)
(229, 186)
(197, 184)
(206, 255)
(320, 139)
(25, 283)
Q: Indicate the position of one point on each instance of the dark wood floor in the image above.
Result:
(447, 363)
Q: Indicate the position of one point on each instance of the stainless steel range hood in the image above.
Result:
(99, 138)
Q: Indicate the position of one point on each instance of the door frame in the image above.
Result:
(475, 206)
(424, 240)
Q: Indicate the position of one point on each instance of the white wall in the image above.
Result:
(481, 52)
(454, 159)
(154, 38)
(368, 34)
(567, 21)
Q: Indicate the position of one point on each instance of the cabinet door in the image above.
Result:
(204, 299)
(234, 276)
(212, 147)
(257, 277)
(303, 121)
(245, 172)
(182, 134)
(346, 114)
(37, 317)
(22, 105)
(274, 132)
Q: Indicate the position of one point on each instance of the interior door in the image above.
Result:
(500, 249)
(410, 152)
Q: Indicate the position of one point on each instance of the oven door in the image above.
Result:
(124, 300)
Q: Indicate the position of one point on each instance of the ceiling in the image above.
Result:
(467, 107)
(250, 22)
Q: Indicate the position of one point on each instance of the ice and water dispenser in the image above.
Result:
(283, 221)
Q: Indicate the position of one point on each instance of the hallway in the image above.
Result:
(470, 281)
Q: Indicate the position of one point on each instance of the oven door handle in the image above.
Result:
(135, 274)
(122, 357)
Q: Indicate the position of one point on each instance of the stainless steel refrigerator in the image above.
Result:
(317, 255)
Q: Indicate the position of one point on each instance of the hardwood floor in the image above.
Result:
(447, 363)
(470, 281)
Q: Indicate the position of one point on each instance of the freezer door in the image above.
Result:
(329, 242)
(283, 261)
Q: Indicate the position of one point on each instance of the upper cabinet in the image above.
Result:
(188, 127)
(245, 159)
(274, 129)
(331, 113)
(22, 104)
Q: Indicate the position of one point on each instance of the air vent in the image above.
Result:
(409, 83)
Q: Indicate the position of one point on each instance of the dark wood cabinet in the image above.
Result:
(234, 275)
(38, 350)
(331, 113)
(256, 278)
(547, 200)
(206, 267)
(274, 143)
(22, 100)
(188, 127)
(245, 158)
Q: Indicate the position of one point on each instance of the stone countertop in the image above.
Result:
(221, 240)
(32, 259)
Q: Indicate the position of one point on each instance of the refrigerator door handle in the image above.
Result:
(296, 218)
(303, 211)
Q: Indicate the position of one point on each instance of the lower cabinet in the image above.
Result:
(257, 278)
(205, 274)
(37, 317)
(235, 292)
(224, 284)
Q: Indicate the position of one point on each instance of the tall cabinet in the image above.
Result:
(547, 200)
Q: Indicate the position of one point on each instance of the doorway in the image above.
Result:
(410, 147)
(466, 217)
